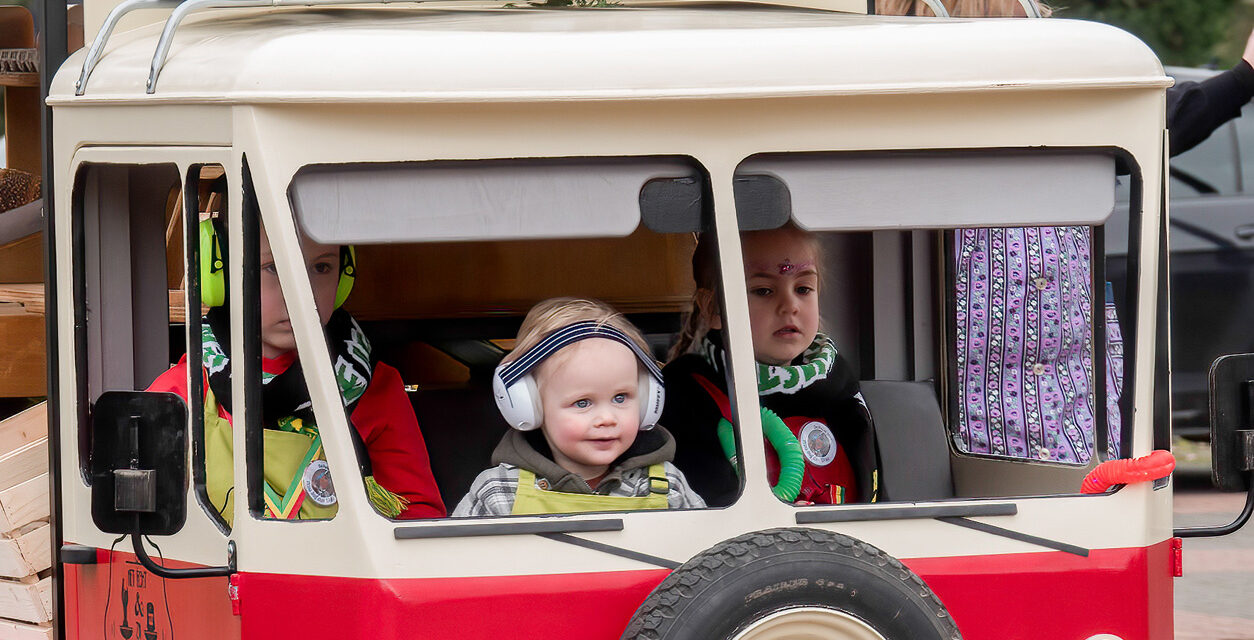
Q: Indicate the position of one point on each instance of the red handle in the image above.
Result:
(1127, 471)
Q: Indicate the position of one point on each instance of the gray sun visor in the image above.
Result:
(930, 190)
(492, 199)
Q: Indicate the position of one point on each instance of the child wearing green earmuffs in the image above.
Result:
(389, 445)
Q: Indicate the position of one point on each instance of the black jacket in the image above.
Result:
(692, 417)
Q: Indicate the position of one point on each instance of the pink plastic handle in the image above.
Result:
(1158, 464)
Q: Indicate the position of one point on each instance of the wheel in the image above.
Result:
(799, 584)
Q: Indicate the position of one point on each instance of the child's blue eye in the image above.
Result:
(805, 291)
(583, 404)
(620, 398)
(761, 291)
(269, 268)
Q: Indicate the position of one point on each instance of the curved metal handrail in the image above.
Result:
(106, 29)
(1032, 8)
(937, 7)
(187, 6)
(172, 24)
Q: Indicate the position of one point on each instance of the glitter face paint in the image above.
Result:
(784, 268)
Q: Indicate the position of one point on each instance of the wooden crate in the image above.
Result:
(27, 600)
(14, 630)
(27, 551)
(24, 503)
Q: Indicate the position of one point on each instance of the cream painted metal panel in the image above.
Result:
(200, 540)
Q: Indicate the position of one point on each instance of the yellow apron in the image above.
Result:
(530, 500)
(284, 466)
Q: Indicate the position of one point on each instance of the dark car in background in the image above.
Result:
(1212, 258)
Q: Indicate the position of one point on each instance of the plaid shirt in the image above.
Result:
(492, 493)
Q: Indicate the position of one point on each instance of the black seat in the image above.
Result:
(913, 442)
(461, 427)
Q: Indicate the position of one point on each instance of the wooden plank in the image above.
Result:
(26, 554)
(30, 296)
(24, 428)
(23, 464)
(23, 362)
(24, 600)
(22, 260)
(25, 503)
(44, 588)
(21, 117)
(14, 630)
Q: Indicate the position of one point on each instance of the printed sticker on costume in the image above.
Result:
(317, 482)
(817, 444)
(136, 608)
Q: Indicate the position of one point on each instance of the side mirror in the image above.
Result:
(139, 463)
(1232, 421)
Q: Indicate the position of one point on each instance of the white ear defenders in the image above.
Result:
(518, 398)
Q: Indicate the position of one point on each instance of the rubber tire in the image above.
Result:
(740, 581)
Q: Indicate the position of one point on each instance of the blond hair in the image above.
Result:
(553, 314)
(958, 8)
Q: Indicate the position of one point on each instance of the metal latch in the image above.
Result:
(135, 490)
(1246, 440)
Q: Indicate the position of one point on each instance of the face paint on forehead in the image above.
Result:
(784, 268)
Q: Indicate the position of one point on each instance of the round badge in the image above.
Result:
(317, 482)
(818, 444)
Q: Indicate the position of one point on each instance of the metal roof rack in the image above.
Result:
(106, 30)
(184, 7)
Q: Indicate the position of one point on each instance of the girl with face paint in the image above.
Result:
(803, 382)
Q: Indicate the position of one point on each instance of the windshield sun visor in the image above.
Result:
(929, 190)
(508, 199)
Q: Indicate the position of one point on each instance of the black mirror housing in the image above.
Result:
(1232, 421)
(139, 462)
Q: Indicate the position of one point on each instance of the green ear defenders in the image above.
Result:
(213, 269)
(212, 266)
(348, 274)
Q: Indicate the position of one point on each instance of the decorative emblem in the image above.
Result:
(317, 482)
(818, 444)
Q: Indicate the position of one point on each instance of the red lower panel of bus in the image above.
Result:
(1125, 592)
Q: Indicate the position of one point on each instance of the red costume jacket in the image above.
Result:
(387, 425)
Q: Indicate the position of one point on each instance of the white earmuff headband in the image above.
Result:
(516, 394)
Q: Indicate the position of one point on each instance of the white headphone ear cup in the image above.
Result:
(519, 403)
(652, 399)
(528, 385)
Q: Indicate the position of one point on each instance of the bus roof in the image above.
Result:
(480, 54)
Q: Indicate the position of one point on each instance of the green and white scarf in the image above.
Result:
(814, 364)
(285, 398)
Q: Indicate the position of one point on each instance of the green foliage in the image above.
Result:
(1181, 32)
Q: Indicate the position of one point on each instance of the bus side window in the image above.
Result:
(126, 263)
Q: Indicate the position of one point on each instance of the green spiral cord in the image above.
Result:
(792, 463)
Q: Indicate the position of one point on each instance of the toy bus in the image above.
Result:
(481, 157)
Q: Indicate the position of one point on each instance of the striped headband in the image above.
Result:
(567, 336)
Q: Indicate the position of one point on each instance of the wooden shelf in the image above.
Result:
(31, 297)
(19, 67)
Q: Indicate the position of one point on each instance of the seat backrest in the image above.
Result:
(914, 448)
(461, 427)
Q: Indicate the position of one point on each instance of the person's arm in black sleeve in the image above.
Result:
(692, 416)
(1196, 109)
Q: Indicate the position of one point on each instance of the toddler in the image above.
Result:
(583, 397)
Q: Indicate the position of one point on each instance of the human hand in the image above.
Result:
(1248, 56)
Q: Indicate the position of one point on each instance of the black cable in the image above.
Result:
(164, 594)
